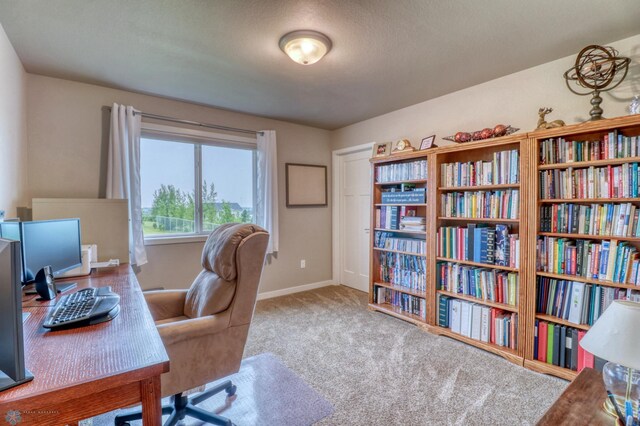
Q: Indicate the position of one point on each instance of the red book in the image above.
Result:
(542, 341)
(610, 170)
(581, 352)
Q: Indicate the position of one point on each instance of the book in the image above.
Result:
(542, 340)
(455, 316)
(465, 319)
(550, 342)
(443, 310)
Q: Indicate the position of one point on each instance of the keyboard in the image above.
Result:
(88, 306)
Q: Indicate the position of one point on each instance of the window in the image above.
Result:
(193, 181)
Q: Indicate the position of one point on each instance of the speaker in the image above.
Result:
(45, 284)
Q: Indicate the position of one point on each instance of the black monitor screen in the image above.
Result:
(54, 243)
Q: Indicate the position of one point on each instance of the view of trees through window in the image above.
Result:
(169, 202)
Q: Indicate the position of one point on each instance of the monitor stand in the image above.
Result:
(7, 382)
(62, 287)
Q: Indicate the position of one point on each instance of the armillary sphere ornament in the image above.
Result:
(597, 69)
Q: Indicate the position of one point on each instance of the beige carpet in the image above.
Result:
(376, 369)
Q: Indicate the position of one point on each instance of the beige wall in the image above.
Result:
(67, 158)
(13, 128)
(513, 100)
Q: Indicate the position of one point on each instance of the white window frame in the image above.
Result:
(197, 138)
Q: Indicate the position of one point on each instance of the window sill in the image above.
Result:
(178, 239)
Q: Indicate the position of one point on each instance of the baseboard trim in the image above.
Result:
(292, 290)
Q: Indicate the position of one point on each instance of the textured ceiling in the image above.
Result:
(386, 54)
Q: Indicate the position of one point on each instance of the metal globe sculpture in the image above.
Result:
(597, 69)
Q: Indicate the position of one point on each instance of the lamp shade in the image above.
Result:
(616, 335)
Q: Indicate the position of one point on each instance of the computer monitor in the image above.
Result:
(54, 243)
(12, 367)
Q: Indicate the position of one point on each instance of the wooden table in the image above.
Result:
(83, 372)
(580, 403)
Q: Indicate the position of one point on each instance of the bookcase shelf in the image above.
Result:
(502, 306)
(587, 280)
(587, 236)
(399, 251)
(396, 312)
(551, 318)
(480, 265)
(588, 200)
(505, 352)
(401, 289)
(582, 164)
(478, 187)
(554, 370)
(398, 182)
(400, 204)
(479, 219)
(402, 231)
(438, 190)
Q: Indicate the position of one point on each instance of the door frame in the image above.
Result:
(337, 159)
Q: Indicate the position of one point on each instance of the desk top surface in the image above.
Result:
(70, 362)
(581, 403)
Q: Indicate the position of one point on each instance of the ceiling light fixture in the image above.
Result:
(305, 47)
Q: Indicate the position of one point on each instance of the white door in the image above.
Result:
(355, 198)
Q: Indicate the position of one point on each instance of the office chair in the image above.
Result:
(204, 329)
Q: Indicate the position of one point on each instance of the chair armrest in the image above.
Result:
(165, 304)
(175, 332)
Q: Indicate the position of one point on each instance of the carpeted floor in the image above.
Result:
(376, 369)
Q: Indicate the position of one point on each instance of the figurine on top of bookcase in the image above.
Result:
(543, 124)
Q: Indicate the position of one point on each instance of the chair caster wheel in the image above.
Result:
(231, 390)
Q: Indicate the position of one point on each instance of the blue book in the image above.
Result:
(470, 243)
(604, 260)
(484, 235)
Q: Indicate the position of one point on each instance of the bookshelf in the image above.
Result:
(560, 208)
(468, 199)
(400, 257)
(453, 204)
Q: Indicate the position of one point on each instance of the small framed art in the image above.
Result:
(382, 149)
(428, 142)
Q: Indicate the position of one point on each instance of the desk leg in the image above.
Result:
(151, 405)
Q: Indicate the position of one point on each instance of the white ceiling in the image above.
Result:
(386, 54)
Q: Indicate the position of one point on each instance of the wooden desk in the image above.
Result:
(580, 403)
(83, 372)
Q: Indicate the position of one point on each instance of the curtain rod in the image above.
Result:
(194, 123)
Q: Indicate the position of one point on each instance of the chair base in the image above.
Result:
(186, 407)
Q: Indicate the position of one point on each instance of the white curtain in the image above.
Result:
(123, 173)
(267, 197)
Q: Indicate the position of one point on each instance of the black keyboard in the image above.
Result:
(84, 307)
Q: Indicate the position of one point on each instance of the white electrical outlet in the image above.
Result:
(303, 264)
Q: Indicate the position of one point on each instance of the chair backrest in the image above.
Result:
(232, 261)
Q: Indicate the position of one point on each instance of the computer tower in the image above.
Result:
(12, 367)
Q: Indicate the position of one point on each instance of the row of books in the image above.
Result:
(615, 261)
(481, 204)
(403, 270)
(487, 284)
(386, 240)
(478, 322)
(404, 302)
(619, 220)
(413, 170)
(592, 182)
(612, 145)
(392, 217)
(577, 302)
(559, 345)
(503, 169)
(480, 243)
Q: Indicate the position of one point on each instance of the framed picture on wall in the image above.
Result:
(306, 185)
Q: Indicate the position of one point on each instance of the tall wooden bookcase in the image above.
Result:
(474, 152)
(526, 225)
(591, 131)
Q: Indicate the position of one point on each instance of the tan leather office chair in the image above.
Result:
(204, 329)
